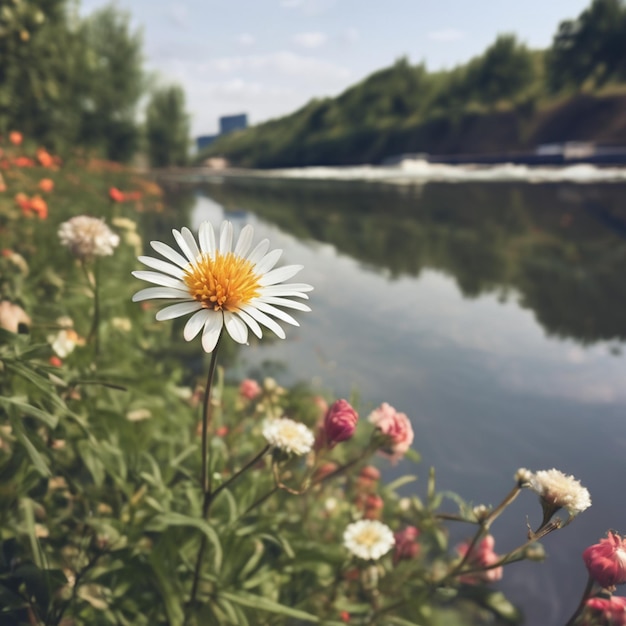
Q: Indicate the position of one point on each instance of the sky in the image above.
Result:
(268, 58)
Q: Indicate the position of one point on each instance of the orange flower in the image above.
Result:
(15, 137)
(23, 202)
(116, 195)
(55, 361)
(44, 157)
(23, 161)
(46, 184)
(39, 205)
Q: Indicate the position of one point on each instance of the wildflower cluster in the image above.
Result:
(147, 485)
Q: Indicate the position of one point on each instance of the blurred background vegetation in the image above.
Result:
(509, 97)
(67, 81)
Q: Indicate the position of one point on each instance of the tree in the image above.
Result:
(504, 72)
(590, 48)
(112, 83)
(167, 127)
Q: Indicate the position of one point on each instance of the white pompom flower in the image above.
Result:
(289, 436)
(368, 539)
(221, 286)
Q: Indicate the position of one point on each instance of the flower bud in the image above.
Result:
(606, 561)
(249, 389)
(340, 422)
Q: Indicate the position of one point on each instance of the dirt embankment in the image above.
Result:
(601, 120)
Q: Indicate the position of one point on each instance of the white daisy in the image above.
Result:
(88, 237)
(289, 436)
(368, 539)
(557, 490)
(221, 286)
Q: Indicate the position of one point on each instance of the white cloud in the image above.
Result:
(179, 14)
(284, 62)
(310, 40)
(350, 35)
(246, 39)
(447, 34)
(309, 7)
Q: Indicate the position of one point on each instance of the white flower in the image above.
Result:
(368, 539)
(523, 477)
(560, 491)
(221, 286)
(88, 237)
(288, 435)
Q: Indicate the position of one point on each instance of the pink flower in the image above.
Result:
(606, 561)
(249, 389)
(340, 422)
(368, 477)
(605, 611)
(397, 428)
(481, 557)
(406, 546)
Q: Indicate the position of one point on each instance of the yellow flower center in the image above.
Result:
(368, 537)
(225, 282)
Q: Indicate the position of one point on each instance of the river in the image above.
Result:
(493, 314)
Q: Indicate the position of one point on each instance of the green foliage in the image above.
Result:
(65, 81)
(167, 127)
(101, 510)
(590, 48)
(406, 109)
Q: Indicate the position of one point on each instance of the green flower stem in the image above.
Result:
(92, 279)
(510, 557)
(482, 530)
(205, 472)
(210, 497)
(581, 604)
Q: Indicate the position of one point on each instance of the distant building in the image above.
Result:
(205, 140)
(229, 123)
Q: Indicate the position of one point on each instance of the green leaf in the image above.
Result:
(38, 461)
(399, 482)
(257, 602)
(401, 621)
(49, 420)
(164, 520)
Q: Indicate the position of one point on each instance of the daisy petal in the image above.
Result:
(284, 290)
(160, 292)
(259, 251)
(268, 261)
(177, 310)
(195, 323)
(226, 237)
(191, 242)
(182, 244)
(236, 328)
(156, 278)
(288, 304)
(252, 323)
(206, 236)
(212, 331)
(272, 310)
(245, 241)
(279, 275)
(162, 266)
(169, 253)
(267, 321)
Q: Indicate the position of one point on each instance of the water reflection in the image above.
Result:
(561, 248)
(491, 315)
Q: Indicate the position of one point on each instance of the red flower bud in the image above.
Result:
(606, 561)
(340, 422)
